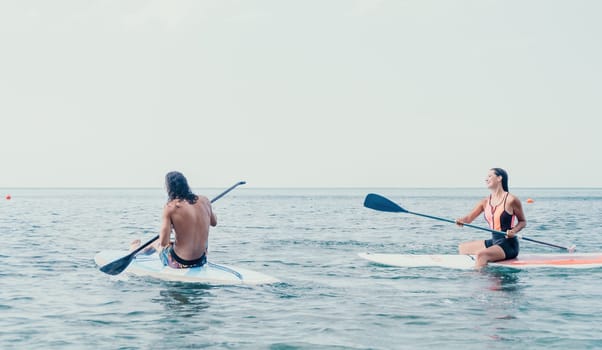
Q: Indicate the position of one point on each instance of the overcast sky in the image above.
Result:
(300, 93)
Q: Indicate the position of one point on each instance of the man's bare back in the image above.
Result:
(191, 224)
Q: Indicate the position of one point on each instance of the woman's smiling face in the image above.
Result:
(493, 180)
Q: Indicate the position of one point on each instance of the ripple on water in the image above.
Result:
(54, 297)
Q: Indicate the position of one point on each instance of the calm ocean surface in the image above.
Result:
(52, 296)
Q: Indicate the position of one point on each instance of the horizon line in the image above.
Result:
(289, 187)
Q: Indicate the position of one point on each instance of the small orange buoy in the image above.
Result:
(8, 197)
(530, 200)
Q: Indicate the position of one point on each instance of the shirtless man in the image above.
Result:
(190, 216)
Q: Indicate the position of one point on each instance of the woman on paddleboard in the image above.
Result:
(501, 210)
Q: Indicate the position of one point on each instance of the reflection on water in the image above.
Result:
(185, 299)
(504, 280)
(504, 308)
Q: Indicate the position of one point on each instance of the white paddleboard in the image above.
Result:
(210, 273)
(567, 260)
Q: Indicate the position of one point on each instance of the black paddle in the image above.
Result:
(117, 266)
(380, 203)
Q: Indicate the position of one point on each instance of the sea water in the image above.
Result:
(52, 295)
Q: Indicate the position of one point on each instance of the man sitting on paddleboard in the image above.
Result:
(190, 216)
(500, 208)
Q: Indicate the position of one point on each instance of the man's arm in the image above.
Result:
(165, 231)
(213, 218)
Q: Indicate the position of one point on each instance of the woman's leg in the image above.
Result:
(493, 253)
(471, 247)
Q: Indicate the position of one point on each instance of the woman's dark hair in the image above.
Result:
(177, 187)
(501, 172)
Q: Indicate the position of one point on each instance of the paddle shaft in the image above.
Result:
(570, 249)
(489, 230)
(380, 203)
(454, 222)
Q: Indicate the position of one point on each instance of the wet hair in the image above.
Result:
(501, 172)
(177, 187)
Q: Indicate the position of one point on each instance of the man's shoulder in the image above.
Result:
(203, 199)
(171, 205)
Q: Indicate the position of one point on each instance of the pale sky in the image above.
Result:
(115, 93)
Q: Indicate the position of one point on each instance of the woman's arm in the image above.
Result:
(517, 209)
(478, 209)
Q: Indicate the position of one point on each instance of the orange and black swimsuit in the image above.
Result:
(501, 220)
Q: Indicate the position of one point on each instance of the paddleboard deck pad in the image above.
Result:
(210, 273)
(567, 260)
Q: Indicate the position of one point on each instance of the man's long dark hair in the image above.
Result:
(177, 187)
(501, 172)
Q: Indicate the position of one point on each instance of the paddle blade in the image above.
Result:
(117, 266)
(380, 203)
